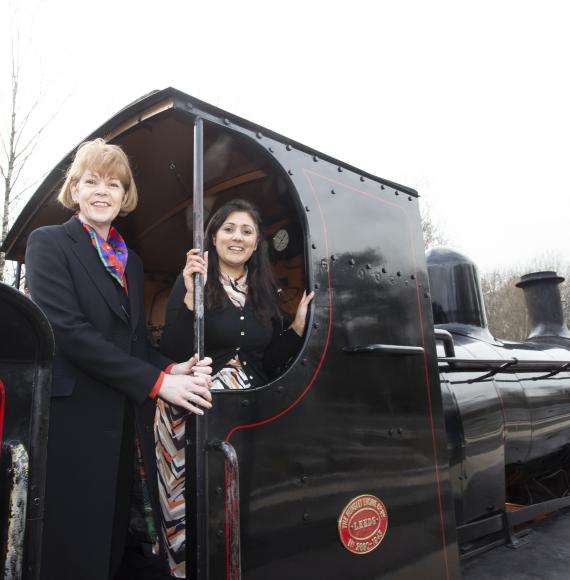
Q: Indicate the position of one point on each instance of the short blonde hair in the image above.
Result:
(105, 160)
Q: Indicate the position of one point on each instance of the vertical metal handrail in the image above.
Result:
(447, 338)
(198, 233)
(17, 511)
(197, 427)
(232, 507)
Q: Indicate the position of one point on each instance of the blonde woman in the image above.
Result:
(106, 376)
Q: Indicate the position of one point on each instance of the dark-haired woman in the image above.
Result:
(244, 335)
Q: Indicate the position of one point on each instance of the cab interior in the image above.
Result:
(235, 166)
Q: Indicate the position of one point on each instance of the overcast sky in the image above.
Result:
(467, 102)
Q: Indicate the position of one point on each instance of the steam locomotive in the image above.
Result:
(397, 437)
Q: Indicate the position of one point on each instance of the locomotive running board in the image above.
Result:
(531, 512)
(505, 522)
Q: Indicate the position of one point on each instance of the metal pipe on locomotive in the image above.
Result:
(388, 445)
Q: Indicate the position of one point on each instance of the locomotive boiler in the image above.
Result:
(506, 404)
(388, 444)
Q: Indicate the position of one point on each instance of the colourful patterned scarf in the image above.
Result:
(112, 251)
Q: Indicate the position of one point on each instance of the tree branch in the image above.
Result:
(27, 188)
(22, 164)
(4, 146)
(19, 131)
(38, 133)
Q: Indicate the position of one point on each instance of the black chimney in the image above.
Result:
(544, 305)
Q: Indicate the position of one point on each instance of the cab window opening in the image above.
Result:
(235, 167)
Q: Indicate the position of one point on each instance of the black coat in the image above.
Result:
(262, 348)
(103, 362)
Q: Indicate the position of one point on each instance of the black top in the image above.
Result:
(262, 348)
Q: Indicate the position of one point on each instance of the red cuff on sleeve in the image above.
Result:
(157, 386)
(169, 368)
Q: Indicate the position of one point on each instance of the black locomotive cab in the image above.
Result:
(343, 468)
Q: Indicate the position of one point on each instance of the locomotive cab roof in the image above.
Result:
(241, 159)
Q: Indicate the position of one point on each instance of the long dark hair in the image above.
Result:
(262, 289)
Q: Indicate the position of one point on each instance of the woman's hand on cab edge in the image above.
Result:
(193, 366)
(298, 324)
(189, 392)
(195, 264)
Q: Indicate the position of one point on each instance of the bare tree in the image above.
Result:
(433, 232)
(18, 145)
(504, 302)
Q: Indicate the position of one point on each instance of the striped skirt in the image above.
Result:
(169, 434)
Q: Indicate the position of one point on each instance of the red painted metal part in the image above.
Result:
(2, 405)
